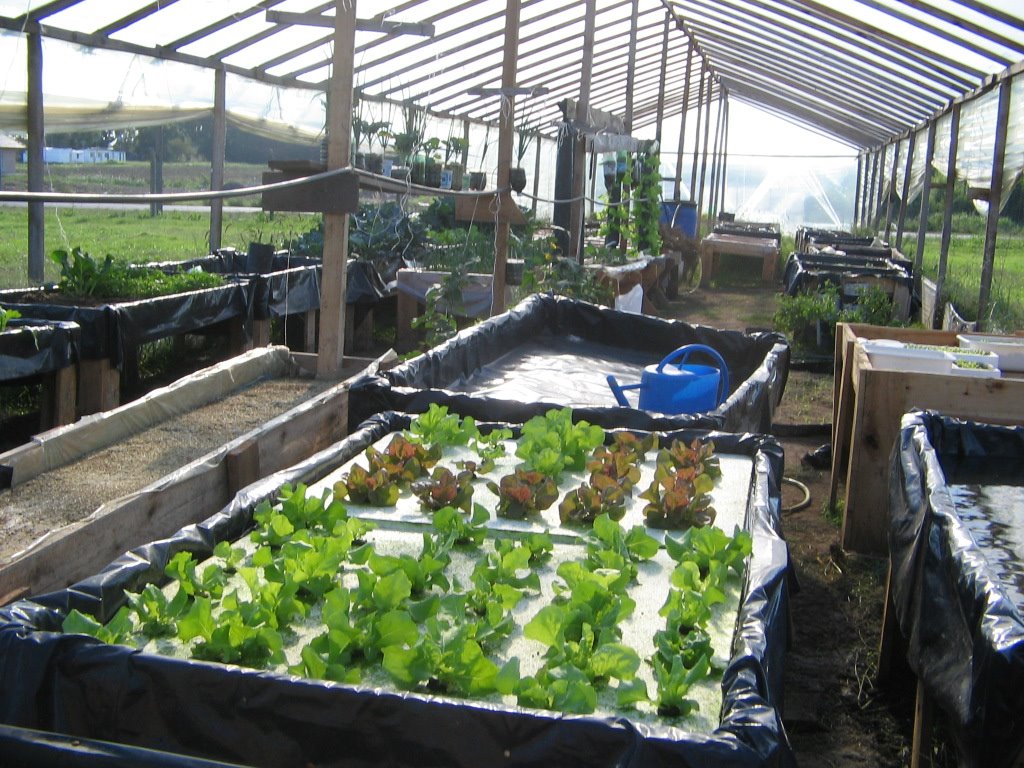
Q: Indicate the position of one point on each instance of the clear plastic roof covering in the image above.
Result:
(861, 71)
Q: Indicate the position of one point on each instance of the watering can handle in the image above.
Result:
(683, 353)
(617, 390)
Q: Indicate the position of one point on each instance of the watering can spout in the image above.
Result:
(619, 390)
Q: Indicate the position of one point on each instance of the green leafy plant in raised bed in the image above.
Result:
(83, 276)
(809, 319)
(6, 315)
(683, 479)
(564, 277)
(552, 443)
(614, 471)
(445, 488)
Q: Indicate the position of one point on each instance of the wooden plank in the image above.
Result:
(99, 386)
(334, 194)
(309, 331)
(924, 716)
(880, 400)
(82, 549)
(59, 398)
(261, 332)
(485, 208)
(243, 465)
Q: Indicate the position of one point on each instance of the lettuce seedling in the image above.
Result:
(602, 496)
(454, 530)
(615, 468)
(401, 460)
(362, 487)
(678, 498)
(552, 443)
(707, 545)
(524, 493)
(700, 456)
(117, 631)
(436, 428)
(445, 489)
(184, 569)
(674, 682)
(157, 616)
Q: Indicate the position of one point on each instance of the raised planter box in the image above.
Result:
(550, 351)
(112, 332)
(955, 601)
(46, 351)
(262, 718)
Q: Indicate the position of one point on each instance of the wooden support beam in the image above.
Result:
(696, 141)
(725, 152)
(947, 211)
(36, 142)
(506, 137)
(890, 188)
(857, 188)
(882, 186)
(922, 217)
(901, 219)
(704, 152)
(681, 148)
(330, 353)
(995, 199)
(662, 76)
(634, 20)
(218, 145)
(579, 165)
(362, 25)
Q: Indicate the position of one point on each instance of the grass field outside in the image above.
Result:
(134, 236)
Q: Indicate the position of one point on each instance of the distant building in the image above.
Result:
(10, 148)
(59, 155)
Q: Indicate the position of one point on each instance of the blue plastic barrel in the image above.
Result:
(681, 214)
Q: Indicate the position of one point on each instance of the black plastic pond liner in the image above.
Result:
(110, 330)
(758, 366)
(31, 348)
(805, 273)
(75, 685)
(965, 635)
(24, 746)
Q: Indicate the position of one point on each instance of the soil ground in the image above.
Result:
(835, 714)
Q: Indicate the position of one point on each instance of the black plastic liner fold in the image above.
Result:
(32, 348)
(805, 273)
(110, 330)
(76, 686)
(758, 367)
(964, 631)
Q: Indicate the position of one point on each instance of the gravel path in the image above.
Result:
(71, 493)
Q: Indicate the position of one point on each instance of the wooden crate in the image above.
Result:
(867, 405)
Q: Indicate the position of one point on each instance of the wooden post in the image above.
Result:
(682, 124)
(857, 188)
(890, 188)
(330, 353)
(36, 142)
(995, 199)
(725, 149)
(905, 193)
(579, 165)
(716, 159)
(696, 141)
(922, 219)
(869, 189)
(704, 153)
(947, 212)
(634, 20)
(506, 126)
(156, 171)
(218, 143)
(536, 175)
(664, 72)
(879, 201)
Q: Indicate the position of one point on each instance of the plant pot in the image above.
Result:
(432, 175)
(417, 172)
(514, 269)
(477, 180)
(400, 172)
(517, 179)
(359, 161)
(457, 173)
(374, 162)
(259, 259)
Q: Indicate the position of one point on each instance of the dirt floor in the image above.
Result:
(835, 714)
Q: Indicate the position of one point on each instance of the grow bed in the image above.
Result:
(83, 493)
(715, 245)
(33, 350)
(551, 351)
(956, 541)
(808, 272)
(209, 710)
(111, 332)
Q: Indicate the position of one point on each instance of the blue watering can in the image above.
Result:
(672, 388)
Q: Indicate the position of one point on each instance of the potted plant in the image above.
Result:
(376, 135)
(478, 179)
(408, 141)
(360, 129)
(431, 164)
(455, 147)
(517, 174)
